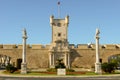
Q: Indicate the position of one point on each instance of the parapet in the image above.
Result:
(9, 46)
(37, 46)
(93, 46)
(83, 46)
(71, 46)
(20, 46)
(47, 46)
(110, 46)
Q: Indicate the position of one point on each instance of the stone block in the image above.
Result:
(72, 46)
(110, 46)
(9, 46)
(20, 46)
(82, 46)
(47, 46)
(36, 46)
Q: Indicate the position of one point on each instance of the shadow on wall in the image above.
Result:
(73, 56)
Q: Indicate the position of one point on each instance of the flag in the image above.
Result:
(59, 3)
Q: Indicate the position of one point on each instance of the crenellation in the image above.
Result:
(93, 46)
(47, 46)
(43, 46)
(20, 46)
(9, 46)
(117, 45)
(39, 46)
(36, 46)
(110, 46)
(82, 46)
(72, 46)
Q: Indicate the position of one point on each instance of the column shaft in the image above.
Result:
(97, 50)
(65, 59)
(53, 60)
(68, 60)
(50, 63)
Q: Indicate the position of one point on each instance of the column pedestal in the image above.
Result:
(23, 68)
(98, 68)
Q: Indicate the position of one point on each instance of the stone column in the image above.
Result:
(24, 64)
(53, 61)
(97, 64)
(68, 60)
(50, 61)
(65, 59)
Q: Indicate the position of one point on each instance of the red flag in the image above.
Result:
(59, 3)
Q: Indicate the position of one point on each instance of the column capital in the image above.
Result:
(97, 37)
(24, 34)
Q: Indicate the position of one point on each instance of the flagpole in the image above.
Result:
(59, 9)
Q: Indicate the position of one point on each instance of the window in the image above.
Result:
(59, 24)
(54, 24)
(59, 34)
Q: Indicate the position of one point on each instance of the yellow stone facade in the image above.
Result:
(81, 56)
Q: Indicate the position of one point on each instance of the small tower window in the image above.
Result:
(59, 34)
(54, 24)
(59, 24)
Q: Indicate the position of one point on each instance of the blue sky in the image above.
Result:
(85, 17)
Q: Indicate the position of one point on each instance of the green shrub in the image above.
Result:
(70, 70)
(108, 67)
(10, 68)
(52, 70)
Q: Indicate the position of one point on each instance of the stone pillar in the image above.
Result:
(24, 64)
(65, 59)
(68, 60)
(53, 61)
(50, 61)
(97, 64)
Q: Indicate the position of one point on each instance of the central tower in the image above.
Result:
(59, 28)
(59, 46)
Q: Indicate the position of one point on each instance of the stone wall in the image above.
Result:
(82, 55)
(37, 55)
